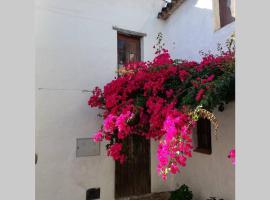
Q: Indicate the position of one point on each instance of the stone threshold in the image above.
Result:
(150, 196)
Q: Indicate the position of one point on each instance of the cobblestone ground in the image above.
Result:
(154, 196)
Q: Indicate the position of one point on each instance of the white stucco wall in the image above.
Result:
(191, 29)
(76, 49)
(188, 30)
(206, 175)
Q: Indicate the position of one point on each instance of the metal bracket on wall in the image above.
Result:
(36, 158)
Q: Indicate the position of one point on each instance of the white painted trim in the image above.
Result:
(216, 15)
(128, 32)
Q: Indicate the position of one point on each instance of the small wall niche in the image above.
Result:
(93, 193)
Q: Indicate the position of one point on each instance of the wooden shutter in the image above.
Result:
(204, 136)
(225, 12)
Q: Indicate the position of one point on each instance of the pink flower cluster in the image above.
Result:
(123, 127)
(231, 156)
(98, 136)
(176, 144)
(115, 152)
(95, 100)
(199, 94)
(114, 123)
(151, 99)
(162, 58)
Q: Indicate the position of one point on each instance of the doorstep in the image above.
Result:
(151, 196)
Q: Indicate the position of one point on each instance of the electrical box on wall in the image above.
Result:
(87, 147)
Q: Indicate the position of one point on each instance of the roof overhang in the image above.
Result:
(167, 10)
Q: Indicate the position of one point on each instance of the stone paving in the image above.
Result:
(152, 196)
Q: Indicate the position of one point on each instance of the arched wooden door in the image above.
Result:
(133, 177)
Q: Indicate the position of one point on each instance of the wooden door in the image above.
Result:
(133, 177)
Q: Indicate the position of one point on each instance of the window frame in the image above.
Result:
(199, 133)
(216, 13)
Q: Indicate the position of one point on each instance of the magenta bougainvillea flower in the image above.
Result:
(199, 94)
(109, 123)
(176, 145)
(98, 136)
(231, 156)
(153, 100)
(115, 152)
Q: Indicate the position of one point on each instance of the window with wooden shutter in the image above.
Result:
(203, 135)
(224, 12)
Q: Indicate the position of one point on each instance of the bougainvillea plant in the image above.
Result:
(162, 100)
(232, 156)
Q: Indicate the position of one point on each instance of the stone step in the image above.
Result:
(151, 196)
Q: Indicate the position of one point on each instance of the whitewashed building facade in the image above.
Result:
(76, 49)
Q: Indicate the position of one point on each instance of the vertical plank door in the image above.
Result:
(133, 177)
